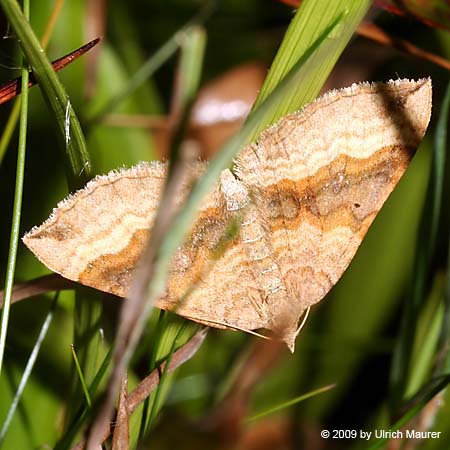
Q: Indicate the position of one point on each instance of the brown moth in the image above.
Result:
(303, 196)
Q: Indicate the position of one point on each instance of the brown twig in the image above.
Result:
(148, 281)
(121, 435)
(41, 285)
(377, 34)
(149, 384)
(12, 88)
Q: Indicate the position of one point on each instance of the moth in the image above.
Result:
(303, 197)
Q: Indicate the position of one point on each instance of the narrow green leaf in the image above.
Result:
(28, 370)
(88, 340)
(160, 327)
(441, 148)
(136, 309)
(151, 65)
(82, 413)
(427, 334)
(223, 159)
(191, 64)
(437, 387)
(143, 74)
(291, 402)
(188, 76)
(426, 245)
(163, 379)
(311, 20)
(15, 112)
(188, 80)
(81, 377)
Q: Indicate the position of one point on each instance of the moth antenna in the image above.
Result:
(305, 318)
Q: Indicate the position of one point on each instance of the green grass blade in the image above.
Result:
(429, 326)
(81, 377)
(291, 402)
(17, 208)
(88, 339)
(28, 369)
(162, 382)
(136, 309)
(82, 413)
(191, 64)
(140, 77)
(188, 80)
(438, 386)
(77, 158)
(152, 282)
(160, 326)
(444, 339)
(426, 245)
(311, 20)
(223, 159)
(188, 76)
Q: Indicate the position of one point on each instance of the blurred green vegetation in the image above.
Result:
(349, 338)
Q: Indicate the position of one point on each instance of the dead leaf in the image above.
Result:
(303, 197)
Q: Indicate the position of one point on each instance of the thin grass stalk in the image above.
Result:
(28, 369)
(153, 358)
(51, 23)
(81, 377)
(83, 412)
(134, 312)
(88, 313)
(156, 401)
(443, 366)
(289, 403)
(17, 208)
(427, 338)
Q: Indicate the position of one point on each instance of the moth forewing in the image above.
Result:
(305, 195)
